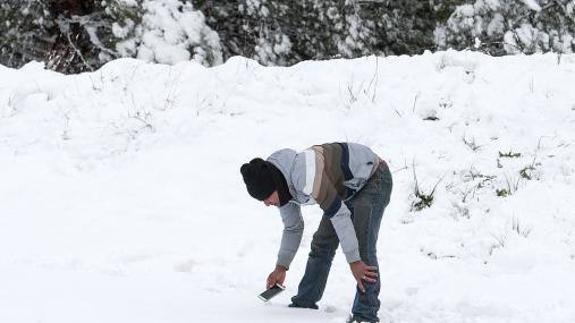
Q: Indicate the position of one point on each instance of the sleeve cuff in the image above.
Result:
(284, 260)
(352, 256)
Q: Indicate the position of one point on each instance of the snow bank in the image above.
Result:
(122, 199)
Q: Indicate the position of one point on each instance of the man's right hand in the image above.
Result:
(277, 276)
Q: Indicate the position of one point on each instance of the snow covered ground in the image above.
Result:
(121, 198)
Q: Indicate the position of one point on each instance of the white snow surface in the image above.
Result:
(532, 4)
(122, 200)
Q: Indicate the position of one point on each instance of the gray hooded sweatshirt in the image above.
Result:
(328, 175)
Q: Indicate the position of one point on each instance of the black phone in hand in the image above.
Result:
(271, 292)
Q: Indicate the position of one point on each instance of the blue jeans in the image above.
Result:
(367, 207)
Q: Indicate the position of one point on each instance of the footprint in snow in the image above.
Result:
(185, 267)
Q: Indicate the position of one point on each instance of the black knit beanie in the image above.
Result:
(262, 178)
(258, 178)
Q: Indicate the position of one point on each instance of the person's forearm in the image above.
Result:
(289, 246)
(346, 233)
(291, 239)
(292, 234)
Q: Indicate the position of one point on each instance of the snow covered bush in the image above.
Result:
(60, 33)
(24, 31)
(331, 29)
(171, 31)
(404, 27)
(282, 32)
(161, 31)
(510, 27)
(75, 36)
(271, 45)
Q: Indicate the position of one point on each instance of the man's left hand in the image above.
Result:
(362, 272)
